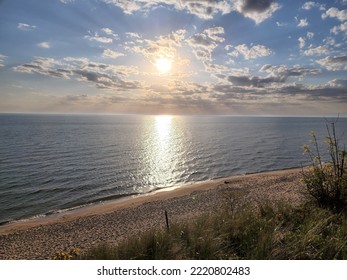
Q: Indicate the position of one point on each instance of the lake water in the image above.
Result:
(49, 163)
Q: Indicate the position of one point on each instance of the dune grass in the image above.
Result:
(327, 182)
(268, 232)
(315, 230)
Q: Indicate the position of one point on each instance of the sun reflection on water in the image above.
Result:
(163, 128)
(162, 148)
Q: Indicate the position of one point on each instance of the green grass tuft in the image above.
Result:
(269, 232)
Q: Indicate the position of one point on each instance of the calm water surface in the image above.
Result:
(54, 162)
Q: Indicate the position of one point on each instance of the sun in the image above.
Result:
(163, 65)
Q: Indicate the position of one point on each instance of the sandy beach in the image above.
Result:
(112, 221)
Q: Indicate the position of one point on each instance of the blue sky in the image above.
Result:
(228, 57)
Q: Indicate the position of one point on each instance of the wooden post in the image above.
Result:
(167, 220)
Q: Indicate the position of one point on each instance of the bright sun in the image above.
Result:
(163, 64)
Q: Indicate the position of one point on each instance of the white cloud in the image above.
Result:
(128, 7)
(240, 71)
(330, 41)
(97, 38)
(44, 45)
(204, 43)
(302, 42)
(310, 35)
(25, 26)
(252, 52)
(40, 65)
(2, 58)
(113, 54)
(340, 28)
(163, 46)
(109, 32)
(283, 72)
(202, 9)
(334, 63)
(309, 5)
(104, 76)
(133, 35)
(257, 10)
(303, 22)
(214, 33)
(335, 13)
(320, 50)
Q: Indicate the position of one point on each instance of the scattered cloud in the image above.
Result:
(334, 63)
(303, 22)
(25, 26)
(202, 9)
(252, 52)
(162, 46)
(214, 33)
(42, 66)
(252, 81)
(335, 13)
(336, 83)
(110, 32)
(302, 42)
(330, 41)
(276, 75)
(95, 37)
(320, 50)
(2, 59)
(203, 45)
(104, 76)
(133, 35)
(339, 28)
(112, 54)
(310, 5)
(44, 45)
(128, 7)
(310, 35)
(257, 10)
(285, 72)
(215, 65)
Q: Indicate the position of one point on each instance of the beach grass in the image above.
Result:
(315, 230)
(266, 232)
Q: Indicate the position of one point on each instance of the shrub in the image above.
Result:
(327, 182)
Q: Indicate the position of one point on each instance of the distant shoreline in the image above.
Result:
(112, 221)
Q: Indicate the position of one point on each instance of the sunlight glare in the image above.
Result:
(163, 64)
(163, 126)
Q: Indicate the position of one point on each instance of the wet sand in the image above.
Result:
(113, 221)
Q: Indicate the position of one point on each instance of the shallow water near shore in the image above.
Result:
(53, 162)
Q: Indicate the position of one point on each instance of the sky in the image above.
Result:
(184, 57)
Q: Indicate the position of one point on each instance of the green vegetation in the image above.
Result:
(268, 232)
(327, 183)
